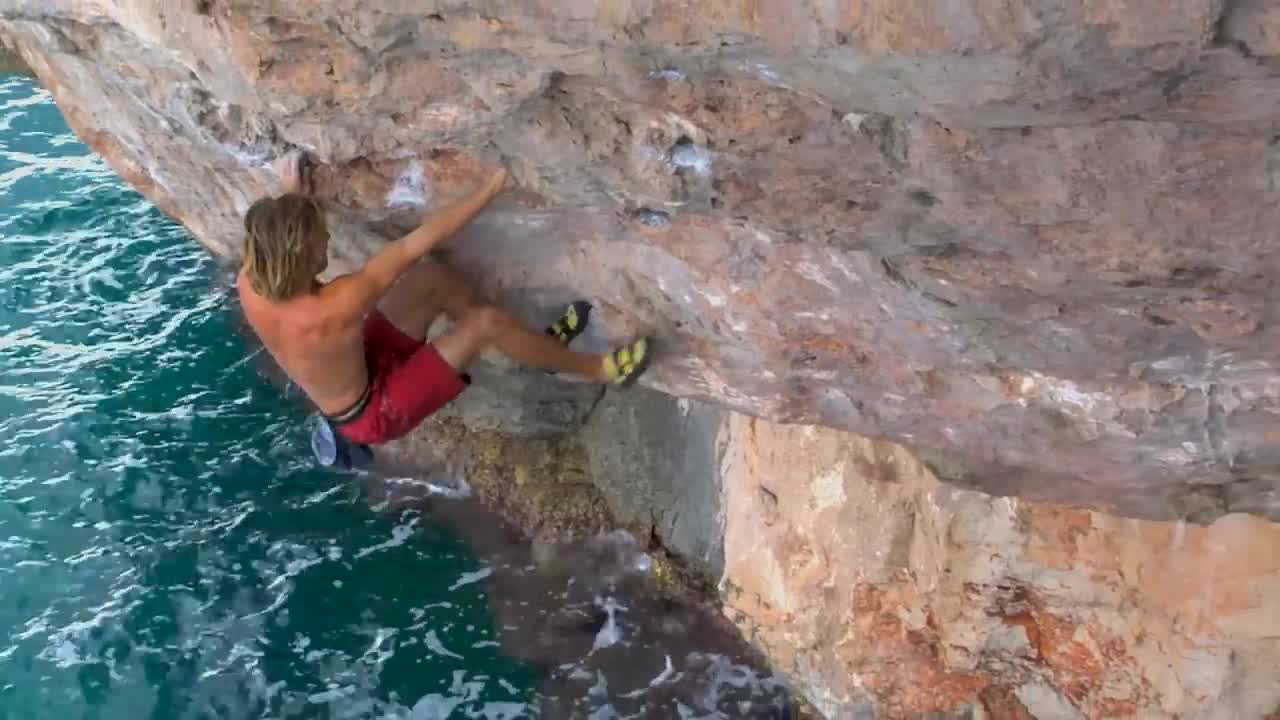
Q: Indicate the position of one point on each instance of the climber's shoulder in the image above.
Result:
(352, 295)
(324, 307)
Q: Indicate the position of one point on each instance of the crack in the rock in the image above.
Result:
(895, 275)
(586, 417)
(1224, 37)
(1215, 425)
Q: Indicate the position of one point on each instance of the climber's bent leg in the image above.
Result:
(411, 379)
(429, 288)
(485, 327)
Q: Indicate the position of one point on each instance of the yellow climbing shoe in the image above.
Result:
(572, 322)
(624, 365)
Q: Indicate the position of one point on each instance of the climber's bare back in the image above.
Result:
(317, 343)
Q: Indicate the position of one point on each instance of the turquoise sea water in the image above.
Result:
(166, 548)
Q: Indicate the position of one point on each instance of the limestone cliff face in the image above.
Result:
(1031, 242)
(886, 592)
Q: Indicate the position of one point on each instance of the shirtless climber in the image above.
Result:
(357, 345)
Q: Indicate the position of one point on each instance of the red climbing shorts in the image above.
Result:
(408, 381)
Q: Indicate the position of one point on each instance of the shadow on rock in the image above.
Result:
(608, 641)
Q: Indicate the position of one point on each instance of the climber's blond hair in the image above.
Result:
(284, 239)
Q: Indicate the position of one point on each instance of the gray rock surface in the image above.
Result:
(656, 460)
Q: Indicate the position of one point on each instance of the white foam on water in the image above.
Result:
(329, 696)
(663, 676)
(504, 711)
(434, 707)
(471, 577)
(376, 652)
(294, 568)
(400, 534)
(459, 491)
(432, 641)
(87, 554)
(323, 495)
(275, 604)
(600, 690)
(38, 96)
(35, 626)
(437, 706)
(234, 522)
(668, 673)
(610, 633)
(66, 655)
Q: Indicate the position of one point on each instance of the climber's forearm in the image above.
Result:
(442, 224)
(448, 220)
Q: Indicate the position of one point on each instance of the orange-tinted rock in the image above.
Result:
(866, 578)
(1001, 703)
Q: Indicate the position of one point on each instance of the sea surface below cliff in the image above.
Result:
(169, 550)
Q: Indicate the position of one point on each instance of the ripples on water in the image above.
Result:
(168, 551)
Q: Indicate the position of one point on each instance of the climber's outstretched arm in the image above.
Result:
(363, 289)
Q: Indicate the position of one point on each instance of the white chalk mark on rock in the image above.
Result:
(410, 189)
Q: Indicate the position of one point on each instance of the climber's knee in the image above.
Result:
(486, 321)
(471, 335)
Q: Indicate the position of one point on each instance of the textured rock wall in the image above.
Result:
(884, 593)
(1030, 240)
(656, 461)
(887, 593)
